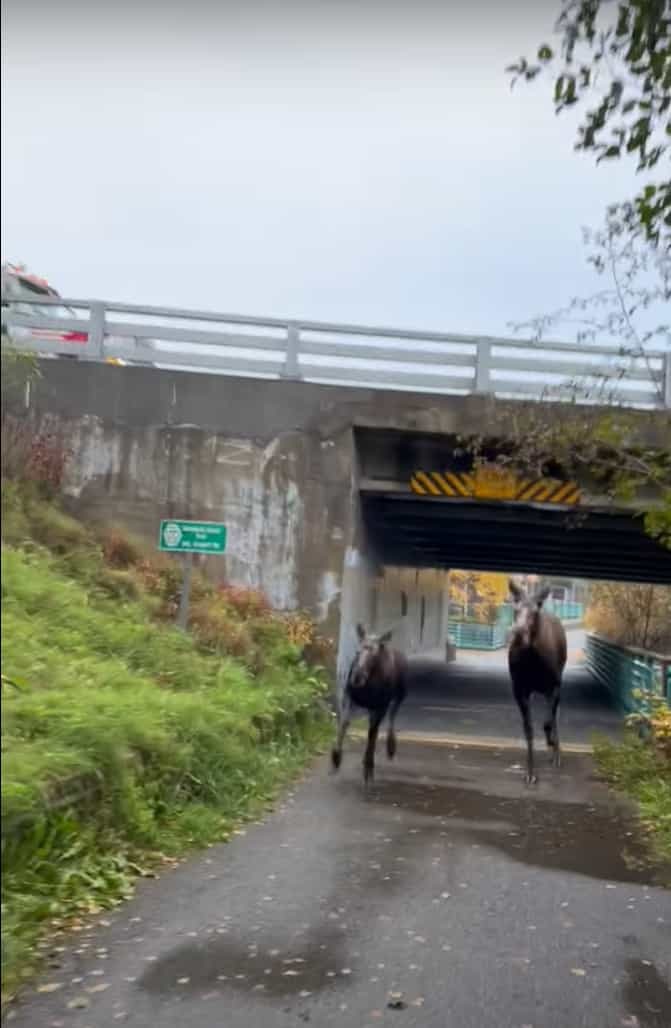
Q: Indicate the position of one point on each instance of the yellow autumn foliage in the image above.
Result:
(478, 593)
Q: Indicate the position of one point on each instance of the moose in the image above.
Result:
(536, 660)
(376, 682)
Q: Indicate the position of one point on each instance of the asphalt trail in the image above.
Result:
(449, 891)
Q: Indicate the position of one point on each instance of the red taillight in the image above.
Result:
(75, 337)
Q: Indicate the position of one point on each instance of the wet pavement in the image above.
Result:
(472, 698)
(448, 895)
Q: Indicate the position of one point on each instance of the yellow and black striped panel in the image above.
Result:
(507, 487)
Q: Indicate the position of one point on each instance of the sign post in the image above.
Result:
(187, 538)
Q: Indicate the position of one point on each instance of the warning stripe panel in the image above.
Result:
(465, 486)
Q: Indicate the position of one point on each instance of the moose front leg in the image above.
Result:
(344, 718)
(391, 731)
(523, 704)
(374, 721)
(550, 727)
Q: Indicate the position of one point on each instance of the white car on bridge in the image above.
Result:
(20, 287)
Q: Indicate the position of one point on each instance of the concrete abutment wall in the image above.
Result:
(280, 462)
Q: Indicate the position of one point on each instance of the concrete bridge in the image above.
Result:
(315, 484)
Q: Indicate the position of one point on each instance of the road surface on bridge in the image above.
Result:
(449, 896)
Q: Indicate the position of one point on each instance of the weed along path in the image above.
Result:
(450, 895)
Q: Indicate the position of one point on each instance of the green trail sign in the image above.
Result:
(192, 537)
(187, 538)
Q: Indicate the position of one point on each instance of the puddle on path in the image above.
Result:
(271, 968)
(646, 995)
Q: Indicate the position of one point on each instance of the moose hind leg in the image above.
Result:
(391, 732)
(344, 717)
(374, 721)
(553, 741)
(523, 704)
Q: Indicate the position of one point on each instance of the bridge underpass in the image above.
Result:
(434, 532)
(470, 699)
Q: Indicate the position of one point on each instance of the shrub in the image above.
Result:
(56, 530)
(29, 455)
(244, 601)
(119, 550)
(631, 615)
(119, 583)
(653, 722)
(216, 626)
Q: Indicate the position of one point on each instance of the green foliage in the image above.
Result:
(643, 772)
(614, 61)
(18, 369)
(122, 736)
(608, 449)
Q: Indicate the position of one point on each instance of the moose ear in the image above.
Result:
(361, 632)
(515, 590)
(386, 637)
(542, 595)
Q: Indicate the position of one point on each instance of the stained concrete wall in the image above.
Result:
(275, 460)
(414, 603)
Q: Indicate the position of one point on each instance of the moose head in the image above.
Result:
(527, 611)
(370, 652)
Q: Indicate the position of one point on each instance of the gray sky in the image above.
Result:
(335, 160)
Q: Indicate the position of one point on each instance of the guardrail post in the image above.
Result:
(666, 372)
(96, 344)
(291, 367)
(483, 363)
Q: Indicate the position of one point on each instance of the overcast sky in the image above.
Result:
(348, 161)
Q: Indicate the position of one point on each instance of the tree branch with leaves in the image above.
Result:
(613, 61)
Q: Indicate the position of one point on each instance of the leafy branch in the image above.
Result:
(614, 61)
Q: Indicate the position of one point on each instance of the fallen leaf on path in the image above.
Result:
(580, 972)
(50, 987)
(101, 987)
(78, 1003)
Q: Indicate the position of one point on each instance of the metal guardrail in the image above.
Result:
(565, 611)
(353, 355)
(475, 635)
(466, 635)
(625, 671)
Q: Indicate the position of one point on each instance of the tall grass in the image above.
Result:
(642, 771)
(123, 739)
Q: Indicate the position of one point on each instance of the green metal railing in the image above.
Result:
(565, 611)
(470, 635)
(626, 671)
(473, 635)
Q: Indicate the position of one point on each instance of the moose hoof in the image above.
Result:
(336, 759)
(368, 774)
(391, 746)
(557, 758)
(531, 779)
